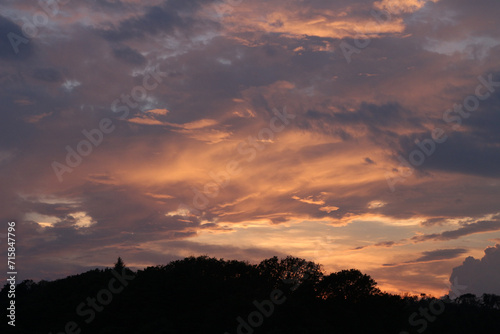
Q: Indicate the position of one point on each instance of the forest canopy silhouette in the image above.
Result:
(209, 295)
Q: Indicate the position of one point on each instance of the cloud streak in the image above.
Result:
(466, 229)
(432, 256)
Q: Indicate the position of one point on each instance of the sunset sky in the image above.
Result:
(353, 133)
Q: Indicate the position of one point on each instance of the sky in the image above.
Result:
(353, 133)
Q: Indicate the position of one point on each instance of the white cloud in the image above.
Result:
(69, 85)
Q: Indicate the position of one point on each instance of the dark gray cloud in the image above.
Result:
(370, 161)
(169, 17)
(463, 153)
(479, 276)
(466, 229)
(434, 221)
(432, 256)
(47, 74)
(385, 244)
(474, 151)
(381, 121)
(128, 54)
(440, 254)
(14, 45)
(456, 20)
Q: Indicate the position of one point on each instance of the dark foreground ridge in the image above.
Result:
(208, 295)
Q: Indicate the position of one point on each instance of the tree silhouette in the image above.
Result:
(290, 270)
(119, 265)
(468, 299)
(210, 295)
(491, 301)
(351, 285)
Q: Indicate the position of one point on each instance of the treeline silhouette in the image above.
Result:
(209, 295)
